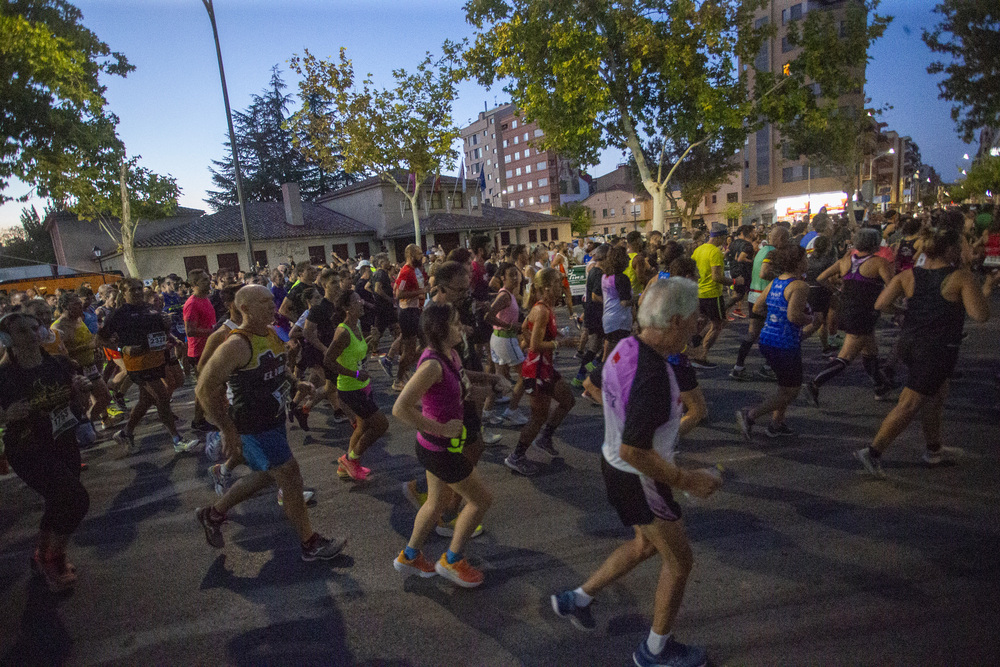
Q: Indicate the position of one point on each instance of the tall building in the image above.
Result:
(778, 186)
(516, 173)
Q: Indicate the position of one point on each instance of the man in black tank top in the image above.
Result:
(252, 360)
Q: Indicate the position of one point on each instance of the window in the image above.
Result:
(505, 143)
(517, 172)
(489, 161)
(527, 152)
(527, 169)
(529, 185)
(763, 142)
(340, 250)
(510, 173)
(786, 45)
(229, 260)
(475, 139)
(260, 257)
(545, 235)
(504, 238)
(612, 213)
(763, 59)
(707, 202)
(317, 254)
(195, 262)
(542, 182)
(506, 158)
(555, 233)
(538, 133)
(604, 212)
(543, 199)
(510, 204)
(532, 236)
(525, 136)
(520, 202)
(531, 201)
(517, 155)
(732, 197)
(517, 140)
(791, 14)
(513, 125)
(541, 166)
(714, 198)
(520, 186)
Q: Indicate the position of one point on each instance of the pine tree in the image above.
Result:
(267, 156)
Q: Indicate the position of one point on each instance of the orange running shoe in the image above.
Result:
(419, 566)
(460, 573)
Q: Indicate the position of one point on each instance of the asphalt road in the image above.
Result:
(800, 560)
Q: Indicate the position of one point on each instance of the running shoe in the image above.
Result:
(113, 420)
(184, 446)
(58, 576)
(745, 423)
(813, 389)
(352, 468)
(460, 573)
(872, 464)
(306, 497)
(674, 654)
(114, 412)
(416, 498)
(739, 314)
(203, 425)
(386, 363)
(514, 417)
(220, 480)
(339, 416)
(119, 399)
(419, 566)
(521, 464)
(491, 417)
(941, 456)
(564, 604)
(765, 373)
(127, 443)
(213, 528)
(448, 529)
(703, 364)
(501, 400)
(544, 442)
(320, 548)
(740, 374)
(577, 382)
(301, 415)
(778, 430)
(491, 439)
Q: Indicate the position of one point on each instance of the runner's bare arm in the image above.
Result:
(760, 306)
(341, 340)
(652, 465)
(406, 410)
(234, 353)
(893, 291)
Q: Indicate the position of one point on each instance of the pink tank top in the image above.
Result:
(509, 314)
(443, 401)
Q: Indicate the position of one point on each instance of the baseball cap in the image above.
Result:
(363, 263)
(719, 229)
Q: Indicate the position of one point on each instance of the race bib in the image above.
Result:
(62, 419)
(283, 394)
(157, 341)
(992, 261)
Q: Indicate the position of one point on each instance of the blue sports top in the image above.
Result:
(778, 331)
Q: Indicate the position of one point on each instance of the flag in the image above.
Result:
(461, 175)
(482, 179)
(411, 182)
(437, 183)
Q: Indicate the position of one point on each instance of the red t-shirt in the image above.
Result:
(198, 310)
(410, 279)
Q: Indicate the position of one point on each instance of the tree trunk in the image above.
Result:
(414, 200)
(128, 227)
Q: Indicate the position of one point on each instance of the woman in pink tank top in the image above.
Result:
(431, 402)
(505, 347)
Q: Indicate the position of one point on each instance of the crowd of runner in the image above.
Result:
(468, 340)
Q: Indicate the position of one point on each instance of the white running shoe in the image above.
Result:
(514, 417)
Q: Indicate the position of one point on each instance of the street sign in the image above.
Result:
(577, 279)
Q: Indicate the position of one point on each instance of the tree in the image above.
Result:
(50, 91)
(969, 34)
(407, 129)
(30, 243)
(268, 157)
(579, 215)
(981, 182)
(607, 73)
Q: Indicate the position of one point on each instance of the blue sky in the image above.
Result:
(171, 107)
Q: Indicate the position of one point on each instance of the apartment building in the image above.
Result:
(516, 173)
(777, 186)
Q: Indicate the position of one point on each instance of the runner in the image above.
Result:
(385, 317)
(440, 388)
(616, 295)
(695, 407)
(593, 314)
(762, 273)
(199, 322)
(863, 275)
(142, 335)
(542, 382)
(939, 294)
(318, 330)
(410, 290)
(252, 362)
(787, 311)
(741, 256)
(505, 348)
(346, 357)
(818, 260)
(637, 463)
(711, 280)
(37, 395)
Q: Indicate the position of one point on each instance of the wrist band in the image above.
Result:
(357, 374)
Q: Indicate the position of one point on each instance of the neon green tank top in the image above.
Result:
(353, 357)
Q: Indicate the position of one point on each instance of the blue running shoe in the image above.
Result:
(674, 654)
(564, 604)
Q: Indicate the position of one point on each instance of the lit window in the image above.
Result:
(612, 213)
(505, 143)
(542, 182)
(531, 200)
(538, 133)
(541, 166)
(506, 158)
(517, 155)
(527, 169)
(520, 186)
(543, 199)
(529, 185)
(525, 136)
(520, 202)
(513, 125)
(517, 140)
(509, 173)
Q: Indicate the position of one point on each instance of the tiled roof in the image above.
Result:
(492, 218)
(266, 220)
(447, 183)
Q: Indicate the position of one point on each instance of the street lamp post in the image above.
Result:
(232, 137)
(97, 254)
(635, 225)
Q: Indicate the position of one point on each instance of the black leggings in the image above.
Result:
(53, 470)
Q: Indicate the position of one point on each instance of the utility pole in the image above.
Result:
(232, 140)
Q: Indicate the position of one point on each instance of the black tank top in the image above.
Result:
(860, 292)
(929, 316)
(261, 388)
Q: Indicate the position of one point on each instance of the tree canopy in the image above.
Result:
(969, 35)
(51, 93)
(361, 128)
(619, 73)
(268, 157)
(30, 244)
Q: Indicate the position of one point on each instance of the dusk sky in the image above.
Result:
(171, 107)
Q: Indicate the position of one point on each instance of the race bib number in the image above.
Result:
(283, 394)
(992, 261)
(62, 419)
(157, 341)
